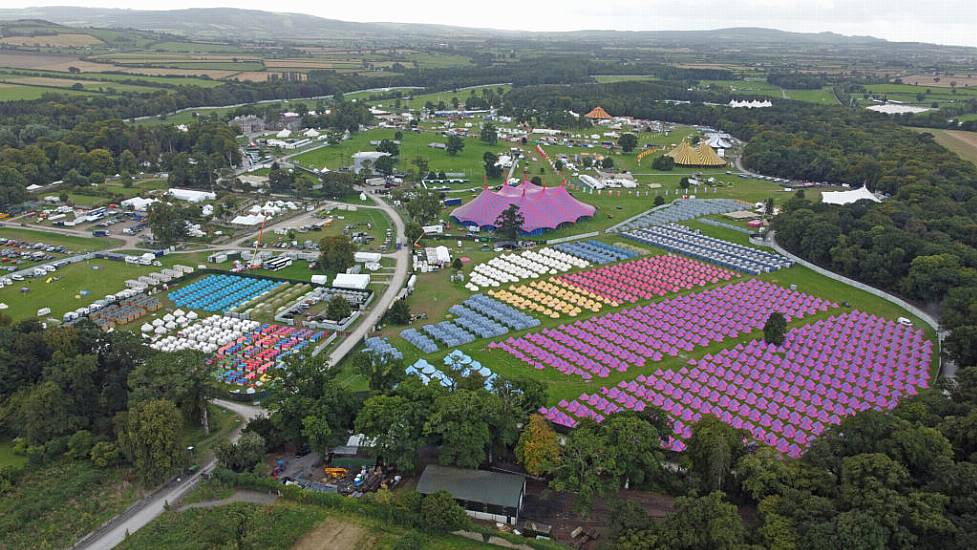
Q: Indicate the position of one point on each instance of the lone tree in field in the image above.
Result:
(336, 253)
(489, 134)
(663, 163)
(775, 329)
(627, 142)
(399, 313)
(455, 145)
(510, 222)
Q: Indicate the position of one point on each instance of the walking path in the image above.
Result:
(146, 510)
(241, 495)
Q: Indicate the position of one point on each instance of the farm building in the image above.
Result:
(484, 495)
(686, 154)
(542, 208)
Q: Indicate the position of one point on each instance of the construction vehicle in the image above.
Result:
(335, 473)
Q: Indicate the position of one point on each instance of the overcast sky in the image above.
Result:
(936, 21)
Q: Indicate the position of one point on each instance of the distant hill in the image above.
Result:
(230, 23)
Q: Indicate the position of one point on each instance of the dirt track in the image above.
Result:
(336, 534)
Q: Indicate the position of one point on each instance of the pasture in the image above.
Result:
(468, 161)
(960, 142)
(62, 40)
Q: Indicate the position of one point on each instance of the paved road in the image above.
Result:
(366, 324)
(114, 532)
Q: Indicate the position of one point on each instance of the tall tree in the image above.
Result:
(455, 145)
(151, 439)
(510, 222)
(539, 448)
(489, 134)
(775, 329)
(627, 142)
(182, 377)
(336, 253)
(712, 451)
(588, 466)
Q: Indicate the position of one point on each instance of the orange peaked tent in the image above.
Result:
(598, 113)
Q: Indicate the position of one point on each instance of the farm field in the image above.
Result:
(86, 78)
(63, 40)
(824, 96)
(17, 92)
(91, 85)
(923, 95)
(609, 78)
(960, 142)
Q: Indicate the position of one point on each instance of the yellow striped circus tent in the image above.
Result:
(686, 154)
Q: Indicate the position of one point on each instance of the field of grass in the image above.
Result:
(960, 142)
(52, 506)
(17, 92)
(418, 101)
(608, 78)
(7, 456)
(278, 526)
(908, 93)
(101, 86)
(823, 96)
(468, 161)
(98, 277)
(71, 242)
(85, 78)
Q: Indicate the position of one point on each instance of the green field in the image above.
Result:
(824, 96)
(17, 92)
(59, 295)
(71, 242)
(910, 94)
(608, 78)
(413, 144)
(960, 142)
(278, 526)
(7, 456)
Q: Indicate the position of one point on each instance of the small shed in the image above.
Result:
(490, 496)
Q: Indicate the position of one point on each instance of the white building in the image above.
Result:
(848, 197)
(191, 195)
(137, 204)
